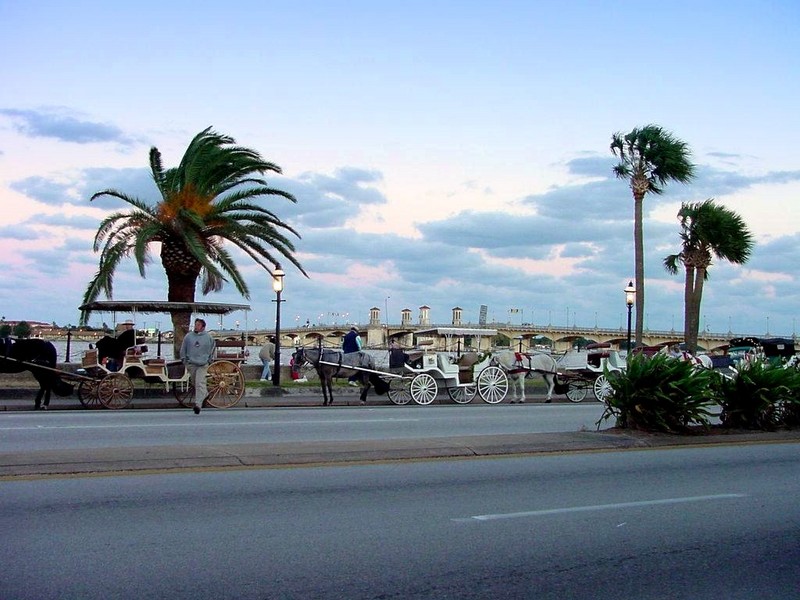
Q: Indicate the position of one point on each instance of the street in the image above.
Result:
(694, 523)
(28, 431)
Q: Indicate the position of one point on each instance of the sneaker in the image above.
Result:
(353, 383)
(196, 410)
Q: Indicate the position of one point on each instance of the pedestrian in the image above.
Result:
(267, 355)
(197, 352)
(352, 343)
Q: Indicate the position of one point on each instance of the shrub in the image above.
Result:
(659, 394)
(760, 396)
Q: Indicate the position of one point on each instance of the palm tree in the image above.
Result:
(208, 199)
(707, 230)
(649, 158)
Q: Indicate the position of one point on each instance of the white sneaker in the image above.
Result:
(353, 383)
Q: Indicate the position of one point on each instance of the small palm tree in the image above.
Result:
(649, 158)
(208, 199)
(707, 230)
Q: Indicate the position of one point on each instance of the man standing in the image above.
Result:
(267, 355)
(351, 343)
(197, 351)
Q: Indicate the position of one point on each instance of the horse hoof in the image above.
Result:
(548, 401)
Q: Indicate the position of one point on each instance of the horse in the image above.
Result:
(331, 364)
(21, 355)
(518, 365)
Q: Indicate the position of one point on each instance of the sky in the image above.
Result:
(447, 154)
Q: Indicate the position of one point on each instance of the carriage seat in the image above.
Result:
(446, 364)
(89, 358)
(154, 366)
(231, 350)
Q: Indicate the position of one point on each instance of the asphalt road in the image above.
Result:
(691, 523)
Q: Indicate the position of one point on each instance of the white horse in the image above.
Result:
(518, 365)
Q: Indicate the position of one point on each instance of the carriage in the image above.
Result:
(464, 374)
(111, 386)
(586, 368)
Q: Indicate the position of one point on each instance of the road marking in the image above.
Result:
(596, 507)
(194, 422)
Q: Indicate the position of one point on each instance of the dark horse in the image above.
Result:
(21, 355)
(333, 363)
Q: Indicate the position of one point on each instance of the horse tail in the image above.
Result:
(381, 386)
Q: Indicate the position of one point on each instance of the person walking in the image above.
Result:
(352, 343)
(197, 352)
(267, 355)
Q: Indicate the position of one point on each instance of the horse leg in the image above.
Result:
(329, 385)
(37, 403)
(550, 380)
(521, 383)
(364, 389)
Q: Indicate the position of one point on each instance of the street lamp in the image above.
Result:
(277, 285)
(630, 299)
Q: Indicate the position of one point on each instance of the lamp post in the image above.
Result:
(277, 285)
(630, 299)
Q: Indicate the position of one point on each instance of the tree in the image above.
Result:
(649, 158)
(207, 200)
(707, 230)
(22, 329)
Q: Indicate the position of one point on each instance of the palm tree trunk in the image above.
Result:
(180, 288)
(689, 321)
(638, 249)
(697, 296)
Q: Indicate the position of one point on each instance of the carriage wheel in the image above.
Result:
(400, 390)
(184, 393)
(115, 390)
(577, 390)
(423, 389)
(602, 388)
(462, 394)
(87, 393)
(225, 384)
(492, 384)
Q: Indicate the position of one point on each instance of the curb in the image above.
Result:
(159, 459)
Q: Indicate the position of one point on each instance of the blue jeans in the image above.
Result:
(265, 372)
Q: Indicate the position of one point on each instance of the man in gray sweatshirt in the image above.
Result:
(197, 352)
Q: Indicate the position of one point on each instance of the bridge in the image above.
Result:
(523, 337)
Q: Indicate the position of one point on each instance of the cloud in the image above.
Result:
(62, 124)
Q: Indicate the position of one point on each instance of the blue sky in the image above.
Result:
(442, 153)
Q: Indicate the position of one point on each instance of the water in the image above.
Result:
(77, 348)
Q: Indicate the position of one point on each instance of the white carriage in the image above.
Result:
(114, 387)
(464, 374)
(586, 369)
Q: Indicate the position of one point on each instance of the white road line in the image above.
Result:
(596, 507)
(198, 422)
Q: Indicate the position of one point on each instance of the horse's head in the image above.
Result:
(300, 358)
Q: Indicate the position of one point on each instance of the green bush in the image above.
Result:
(659, 394)
(760, 396)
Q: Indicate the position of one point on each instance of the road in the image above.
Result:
(693, 523)
(29, 431)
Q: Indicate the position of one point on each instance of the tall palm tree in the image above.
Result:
(649, 158)
(207, 200)
(707, 230)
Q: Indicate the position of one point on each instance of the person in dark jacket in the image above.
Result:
(352, 343)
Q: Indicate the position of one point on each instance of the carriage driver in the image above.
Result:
(197, 352)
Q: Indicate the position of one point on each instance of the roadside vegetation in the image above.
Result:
(662, 394)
